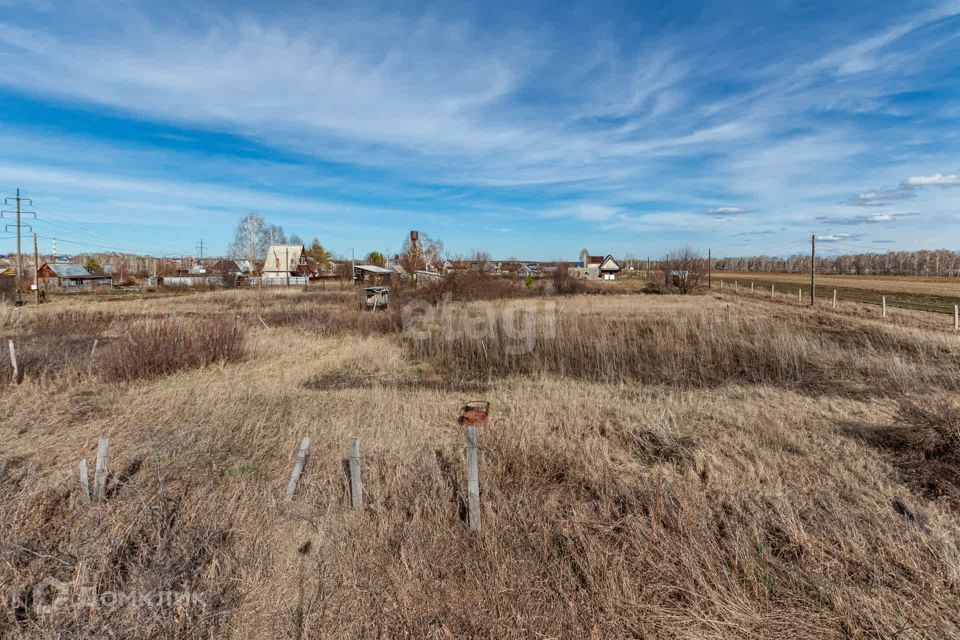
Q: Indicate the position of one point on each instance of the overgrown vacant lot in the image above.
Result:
(654, 467)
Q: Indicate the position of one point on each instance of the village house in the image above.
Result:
(70, 276)
(593, 267)
(285, 264)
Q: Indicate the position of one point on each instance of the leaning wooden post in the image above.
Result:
(298, 467)
(956, 317)
(473, 479)
(13, 363)
(100, 473)
(84, 480)
(834, 298)
(93, 350)
(356, 484)
(883, 306)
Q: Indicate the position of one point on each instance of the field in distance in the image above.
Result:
(921, 293)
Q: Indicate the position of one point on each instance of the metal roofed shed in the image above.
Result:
(371, 273)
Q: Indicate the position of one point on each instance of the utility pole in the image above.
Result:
(36, 272)
(19, 213)
(200, 246)
(353, 266)
(414, 245)
(709, 268)
(286, 259)
(813, 270)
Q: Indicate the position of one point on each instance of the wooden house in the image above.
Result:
(70, 276)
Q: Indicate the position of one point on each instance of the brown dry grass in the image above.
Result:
(617, 502)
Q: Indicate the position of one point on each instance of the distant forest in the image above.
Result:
(940, 262)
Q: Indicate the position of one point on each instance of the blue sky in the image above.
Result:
(528, 131)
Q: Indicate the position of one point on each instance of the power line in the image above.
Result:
(85, 235)
(103, 246)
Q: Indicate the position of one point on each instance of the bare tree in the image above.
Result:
(425, 255)
(250, 240)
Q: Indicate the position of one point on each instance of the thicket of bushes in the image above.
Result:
(154, 348)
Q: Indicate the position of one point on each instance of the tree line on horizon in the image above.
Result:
(924, 262)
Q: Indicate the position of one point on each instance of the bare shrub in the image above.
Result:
(158, 347)
(683, 270)
(565, 284)
(465, 286)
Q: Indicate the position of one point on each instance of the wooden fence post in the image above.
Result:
(356, 484)
(736, 286)
(100, 473)
(771, 291)
(751, 287)
(728, 313)
(834, 298)
(956, 317)
(298, 463)
(84, 480)
(721, 285)
(13, 362)
(800, 296)
(93, 351)
(473, 479)
(883, 306)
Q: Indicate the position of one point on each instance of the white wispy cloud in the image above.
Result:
(877, 218)
(936, 180)
(840, 237)
(726, 211)
(879, 198)
(588, 212)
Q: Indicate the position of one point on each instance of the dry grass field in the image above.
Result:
(655, 467)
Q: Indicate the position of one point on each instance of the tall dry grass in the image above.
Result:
(695, 349)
